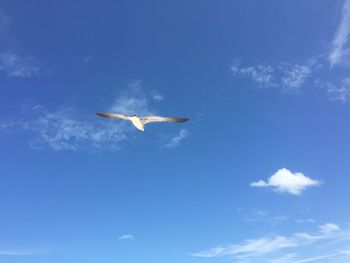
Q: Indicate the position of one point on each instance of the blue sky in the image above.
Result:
(258, 174)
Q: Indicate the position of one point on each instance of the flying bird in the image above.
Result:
(139, 122)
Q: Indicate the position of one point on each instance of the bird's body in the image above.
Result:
(139, 122)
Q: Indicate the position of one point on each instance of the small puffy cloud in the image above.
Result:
(158, 97)
(15, 65)
(285, 181)
(127, 237)
(176, 139)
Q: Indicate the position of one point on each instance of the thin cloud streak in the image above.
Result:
(127, 237)
(176, 140)
(292, 258)
(22, 252)
(261, 216)
(252, 248)
(341, 37)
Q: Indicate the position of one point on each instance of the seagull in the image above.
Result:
(139, 122)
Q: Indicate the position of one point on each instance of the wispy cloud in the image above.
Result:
(4, 22)
(289, 77)
(285, 181)
(127, 237)
(88, 59)
(263, 216)
(12, 62)
(292, 258)
(338, 51)
(266, 246)
(339, 91)
(250, 247)
(294, 76)
(68, 128)
(261, 74)
(176, 139)
(158, 97)
(307, 220)
(16, 252)
(133, 101)
(15, 65)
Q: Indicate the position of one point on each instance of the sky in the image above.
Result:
(260, 172)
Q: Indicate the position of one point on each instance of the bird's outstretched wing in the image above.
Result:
(148, 119)
(113, 116)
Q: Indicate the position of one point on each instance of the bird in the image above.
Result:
(139, 122)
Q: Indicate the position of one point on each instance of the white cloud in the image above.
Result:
(292, 258)
(12, 63)
(265, 246)
(262, 216)
(341, 37)
(289, 258)
(287, 76)
(328, 228)
(127, 237)
(308, 220)
(336, 92)
(15, 65)
(325, 231)
(158, 97)
(65, 129)
(175, 140)
(132, 101)
(294, 76)
(261, 74)
(22, 252)
(285, 181)
(250, 247)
